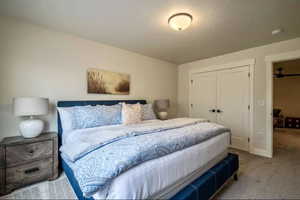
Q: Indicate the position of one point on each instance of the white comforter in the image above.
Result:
(154, 176)
(150, 177)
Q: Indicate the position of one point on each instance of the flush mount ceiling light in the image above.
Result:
(180, 21)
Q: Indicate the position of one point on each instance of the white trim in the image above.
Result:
(269, 93)
(251, 114)
(223, 66)
(261, 152)
(248, 62)
(292, 55)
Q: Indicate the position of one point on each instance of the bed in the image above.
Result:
(174, 176)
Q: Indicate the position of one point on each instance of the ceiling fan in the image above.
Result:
(279, 73)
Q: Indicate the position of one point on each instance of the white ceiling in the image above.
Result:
(219, 26)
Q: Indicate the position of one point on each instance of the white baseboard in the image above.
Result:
(261, 152)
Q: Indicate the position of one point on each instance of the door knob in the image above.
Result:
(219, 111)
(212, 110)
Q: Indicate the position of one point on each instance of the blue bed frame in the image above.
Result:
(204, 187)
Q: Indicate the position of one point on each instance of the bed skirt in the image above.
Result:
(202, 188)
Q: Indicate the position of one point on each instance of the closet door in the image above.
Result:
(203, 95)
(233, 89)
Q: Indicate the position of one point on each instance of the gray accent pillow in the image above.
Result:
(147, 112)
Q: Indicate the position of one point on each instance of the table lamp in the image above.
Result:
(30, 107)
(162, 106)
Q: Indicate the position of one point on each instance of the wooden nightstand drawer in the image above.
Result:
(29, 173)
(19, 154)
(26, 161)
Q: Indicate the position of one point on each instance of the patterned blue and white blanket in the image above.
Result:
(97, 157)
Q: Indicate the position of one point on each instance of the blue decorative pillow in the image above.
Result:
(147, 112)
(78, 117)
(100, 115)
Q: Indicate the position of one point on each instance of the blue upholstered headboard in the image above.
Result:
(85, 103)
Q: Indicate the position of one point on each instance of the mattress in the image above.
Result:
(163, 177)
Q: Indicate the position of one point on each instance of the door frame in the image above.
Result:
(242, 63)
(270, 60)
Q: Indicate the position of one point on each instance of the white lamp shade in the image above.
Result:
(30, 106)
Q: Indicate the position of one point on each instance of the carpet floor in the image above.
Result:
(264, 178)
(259, 178)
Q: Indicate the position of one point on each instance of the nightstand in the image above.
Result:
(26, 161)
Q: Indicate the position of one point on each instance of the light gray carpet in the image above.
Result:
(263, 178)
(259, 178)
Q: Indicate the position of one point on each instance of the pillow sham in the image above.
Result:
(79, 117)
(100, 115)
(147, 112)
(131, 113)
(67, 118)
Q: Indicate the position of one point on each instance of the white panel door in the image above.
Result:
(203, 95)
(233, 90)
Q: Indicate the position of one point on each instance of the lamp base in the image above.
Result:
(163, 115)
(31, 127)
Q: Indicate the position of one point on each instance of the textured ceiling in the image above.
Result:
(219, 26)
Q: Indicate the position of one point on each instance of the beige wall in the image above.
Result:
(35, 61)
(259, 54)
(287, 90)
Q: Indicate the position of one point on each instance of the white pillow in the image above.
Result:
(67, 120)
(66, 115)
(131, 113)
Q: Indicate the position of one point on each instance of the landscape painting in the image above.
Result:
(106, 82)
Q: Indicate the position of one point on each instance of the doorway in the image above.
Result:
(275, 116)
(286, 106)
